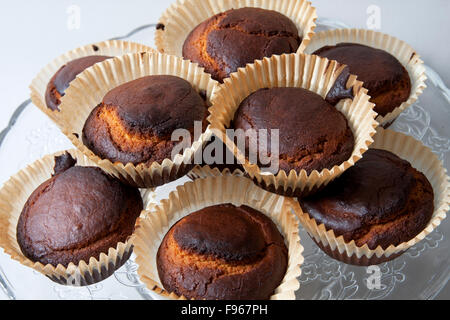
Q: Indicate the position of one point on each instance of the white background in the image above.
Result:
(35, 32)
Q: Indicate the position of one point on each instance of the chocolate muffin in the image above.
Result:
(223, 252)
(135, 121)
(383, 75)
(64, 76)
(381, 201)
(77, 214)
(230, 40)
(313, 134)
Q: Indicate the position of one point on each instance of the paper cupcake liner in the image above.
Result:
(13, 196)
(294, 70)
(184, 15)
(407, 56)
(422, 159)
(202, 193)
(202, 172)
(39, 84)
(88, 90)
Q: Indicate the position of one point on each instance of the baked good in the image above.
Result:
(381, 201)
(135, 121)
(383, 75)
(223, 252)
(64, 76)
(313, 134)
(77, 214)
(231, 39)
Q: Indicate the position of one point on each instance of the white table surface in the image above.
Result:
(35, 32)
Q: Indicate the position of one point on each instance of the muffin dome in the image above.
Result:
(313, 134)
(135, 121)
(64, 76)
(230, 40)
(77, 214)
(381, 201)
(223, 252)
(383, 75)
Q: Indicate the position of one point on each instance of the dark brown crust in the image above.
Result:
(383, 75)
(63, 163)
(223, 252)
(135, 121)
(339, 90)
(381, 201)
(307, 140)
(76, 215)
(64, 76)
(234, 38)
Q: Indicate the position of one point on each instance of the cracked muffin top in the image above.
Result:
(135, 121)
(77, 214)
(381, 201)
(64, 76)
(223, 252)
(230, 40)
(313, 134)
(383, 75)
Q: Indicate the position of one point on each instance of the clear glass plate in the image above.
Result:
(421, 273)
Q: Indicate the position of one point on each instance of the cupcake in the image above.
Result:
(135, 121)
(66, 74)
(381, 201)
(390, 69)
(381, 206)
(223, 252)
(219, 238)
(322, 114)
(383, 75)
(143, 125)
(231, 39)
(50, 84)
(73, 225)
(306, 139)
(222, 36)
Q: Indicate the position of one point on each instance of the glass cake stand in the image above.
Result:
(421, 273)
